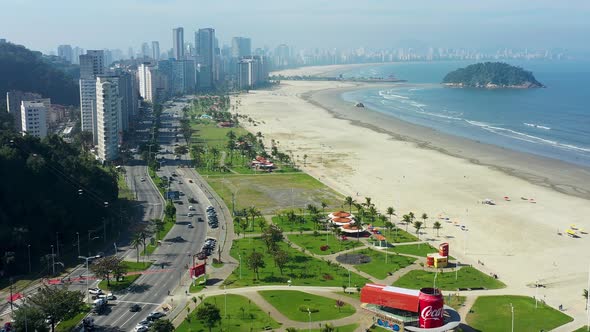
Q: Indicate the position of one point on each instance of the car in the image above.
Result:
(140, 328)
(145, 322)
(210, 208)
(192, 200)
(190, 181)
(189, 214)
(155, 315)
(180, 193)
(135, 308)
(178, 202)
(95, 291)
(174, 174)
(142, 179)
(108, 296)
(200, 219)
(190, 226)
(191, 208)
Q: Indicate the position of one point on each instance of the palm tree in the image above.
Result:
(324, 206)
(390, 212)
(372, 212)
(585, 294)
(437, 226)
(407, 220)
(424, 217)
(136, 243)
(412, 217)
(158, 225)
(389, 227)
(367, 202)
(348, 200)
(417, 225)
(143, 236)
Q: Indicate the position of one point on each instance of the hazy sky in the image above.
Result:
(96, 24)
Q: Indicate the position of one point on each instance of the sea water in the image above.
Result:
(553, 122)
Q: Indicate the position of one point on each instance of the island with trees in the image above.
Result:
(491, 75)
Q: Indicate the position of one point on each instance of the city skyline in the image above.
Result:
(542, 24)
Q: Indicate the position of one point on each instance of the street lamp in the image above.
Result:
(29, 254)
(240, 257)
(52, 260)
(348, 278)
(86, 259)
(309, 314)
(78, 237)
(512, 311)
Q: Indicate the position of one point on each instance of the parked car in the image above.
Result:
(191, 226)
(155, 315)
(95, 291)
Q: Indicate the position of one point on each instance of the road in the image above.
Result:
(171, 259)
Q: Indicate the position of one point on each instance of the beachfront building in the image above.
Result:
(145, 75)
(108, 109)
(91, 65)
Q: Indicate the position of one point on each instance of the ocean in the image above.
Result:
(553, 122)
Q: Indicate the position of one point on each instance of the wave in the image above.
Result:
(525, 137)
(536, 126)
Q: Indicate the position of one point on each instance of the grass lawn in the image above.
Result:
(133, 266)
(467, 277)
(69, 324)
(312, 243)
(295, 304)
(454, 301)
(493, 313)
(582, 329)
(302, 269)
(198, 285)
(273, 192)
(124, 191)
(343, 328)
(305, 224)
(150, 248)
(118, 285)
(416, 249)
(377, 267)
(253, 227)
(242, 315)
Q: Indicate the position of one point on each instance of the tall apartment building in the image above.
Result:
(205, 41)
(241, 46)
(34, 118)
(65, 52)
(178, 43)
(146, 52)
(156, 50)
(91, 65)
(108, 110)
(252, 71)
(145, 76)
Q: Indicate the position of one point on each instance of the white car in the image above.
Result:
(108, 296)
(142, 179)
(189, 214)
(191, 208)
(140, 328)
(95, 291)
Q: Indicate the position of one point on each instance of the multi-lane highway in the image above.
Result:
(171, 259)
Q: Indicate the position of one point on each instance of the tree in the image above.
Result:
(417, 225)
(208, 314)
(158, 225)
(107, 266)
(424, 218)
(29, 317)
(304, 160)
(291, 329)
(136, 243)
(262, 224)
(585, 294)
(162, 325)
(328, 327)
(437, 226)
(255, 262)
(406, 220)
(170, 210)
(181, 149)
(339, 304)
(348, 200)
(281, 258)
(324, 206)
(390, 212)
(57, 303)
(367, 202)
(271, 236)
(389, 226)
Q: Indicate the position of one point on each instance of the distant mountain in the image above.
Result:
(26, 70)
(492, 75)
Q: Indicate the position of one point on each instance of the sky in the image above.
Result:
(97, 24)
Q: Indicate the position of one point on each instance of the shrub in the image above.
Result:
(324, 247)
(328, 276)
(305, 308)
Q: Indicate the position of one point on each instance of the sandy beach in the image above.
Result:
(363, 153)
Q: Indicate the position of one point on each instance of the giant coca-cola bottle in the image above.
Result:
(430, 306)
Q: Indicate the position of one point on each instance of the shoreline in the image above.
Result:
(556, 174)
(523, 243)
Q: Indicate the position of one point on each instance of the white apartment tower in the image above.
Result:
(34, 118)
(91, 65)
(146, 81)
(108, 110)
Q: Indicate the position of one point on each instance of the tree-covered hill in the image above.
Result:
(26, 70)
(492, 75)
(39, 197)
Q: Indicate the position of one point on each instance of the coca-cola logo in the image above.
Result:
(429, 313)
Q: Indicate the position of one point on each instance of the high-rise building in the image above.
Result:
(65, 52)
(282, 56)
(241, 46)
(91, 65)
(108, 110)
(145, 73)
(77, 51)
(14, 100)
(178, 43)
(252, 71)
(156, 50)
(205, 41)
(146, 53)
(130, 53)
(34, 118)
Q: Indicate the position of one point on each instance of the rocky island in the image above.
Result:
(491, 75)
